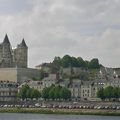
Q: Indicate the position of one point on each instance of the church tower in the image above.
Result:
(21, 55)
(6, 53)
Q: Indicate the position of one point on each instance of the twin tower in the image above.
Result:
(13, 57)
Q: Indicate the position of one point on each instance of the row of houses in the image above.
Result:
(80, 89)
(8, 91)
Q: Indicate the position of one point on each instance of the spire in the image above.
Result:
(23, 44)
(6, 40)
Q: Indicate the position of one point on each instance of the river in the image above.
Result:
(19, 116)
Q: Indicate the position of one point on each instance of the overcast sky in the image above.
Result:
(85, 28)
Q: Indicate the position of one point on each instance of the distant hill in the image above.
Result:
(72, 67)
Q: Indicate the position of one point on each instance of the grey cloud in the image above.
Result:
(86, 28)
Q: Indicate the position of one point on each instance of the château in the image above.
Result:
(13, 57)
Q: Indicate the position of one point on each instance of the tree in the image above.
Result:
(57, 61)
(51, 93)
(81, 62)
(45, 93)
(74, 62)
(57, 92)
(23, 92)
(119, 93)
(100, 94)
(94, 63)
(65, 93)
(27, 92)
(35, 94)
(108, 92)
(116, 92)
(66, 61)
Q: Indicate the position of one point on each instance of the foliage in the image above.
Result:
(23, 92)
(57, 61)
(27, 92)
(109, 93)
(65, 93)
(92, 74)
(68, 61)
(56, 92)
(45, 93)
(94, 63)
(100, 94)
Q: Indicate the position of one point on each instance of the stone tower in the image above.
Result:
(20, 55)
(6, 59)
(13, 57)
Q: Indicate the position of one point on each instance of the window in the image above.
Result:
(88, 91)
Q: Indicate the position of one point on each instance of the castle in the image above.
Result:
(13, 57)
(13, 63)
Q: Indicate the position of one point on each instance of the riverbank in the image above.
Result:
(62, 111)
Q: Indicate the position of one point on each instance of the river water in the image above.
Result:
(19, 116)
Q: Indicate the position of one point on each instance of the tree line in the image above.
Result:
(70, 61)
(26, 92)
(109, 93)
(56, 92)
(53, 92)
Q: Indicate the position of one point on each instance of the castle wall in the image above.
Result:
(18, 74)
(24, 74)
(8, 74)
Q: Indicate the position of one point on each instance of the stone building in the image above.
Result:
(13, 62)
(51, 79)
(8, 91)
(75, 88)
(13, 57)
(89, 89)
(33, 84)
(18, 75)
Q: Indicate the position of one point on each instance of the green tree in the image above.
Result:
(66, 61)
(116, 92)
(94, 63)
(52, 93)
(119, 93)
(35, 94)
(108, 92)
(65, 93)
(57, 92)
(45, 93)
(57, 61)
(28, 93)
(23, 92)
(74, 62)
(81, 62)
(100, 94)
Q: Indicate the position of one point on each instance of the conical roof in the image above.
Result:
(6, 40)
(23, 44)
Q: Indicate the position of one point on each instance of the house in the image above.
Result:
(8, 91)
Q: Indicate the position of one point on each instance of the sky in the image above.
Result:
(80, 28)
